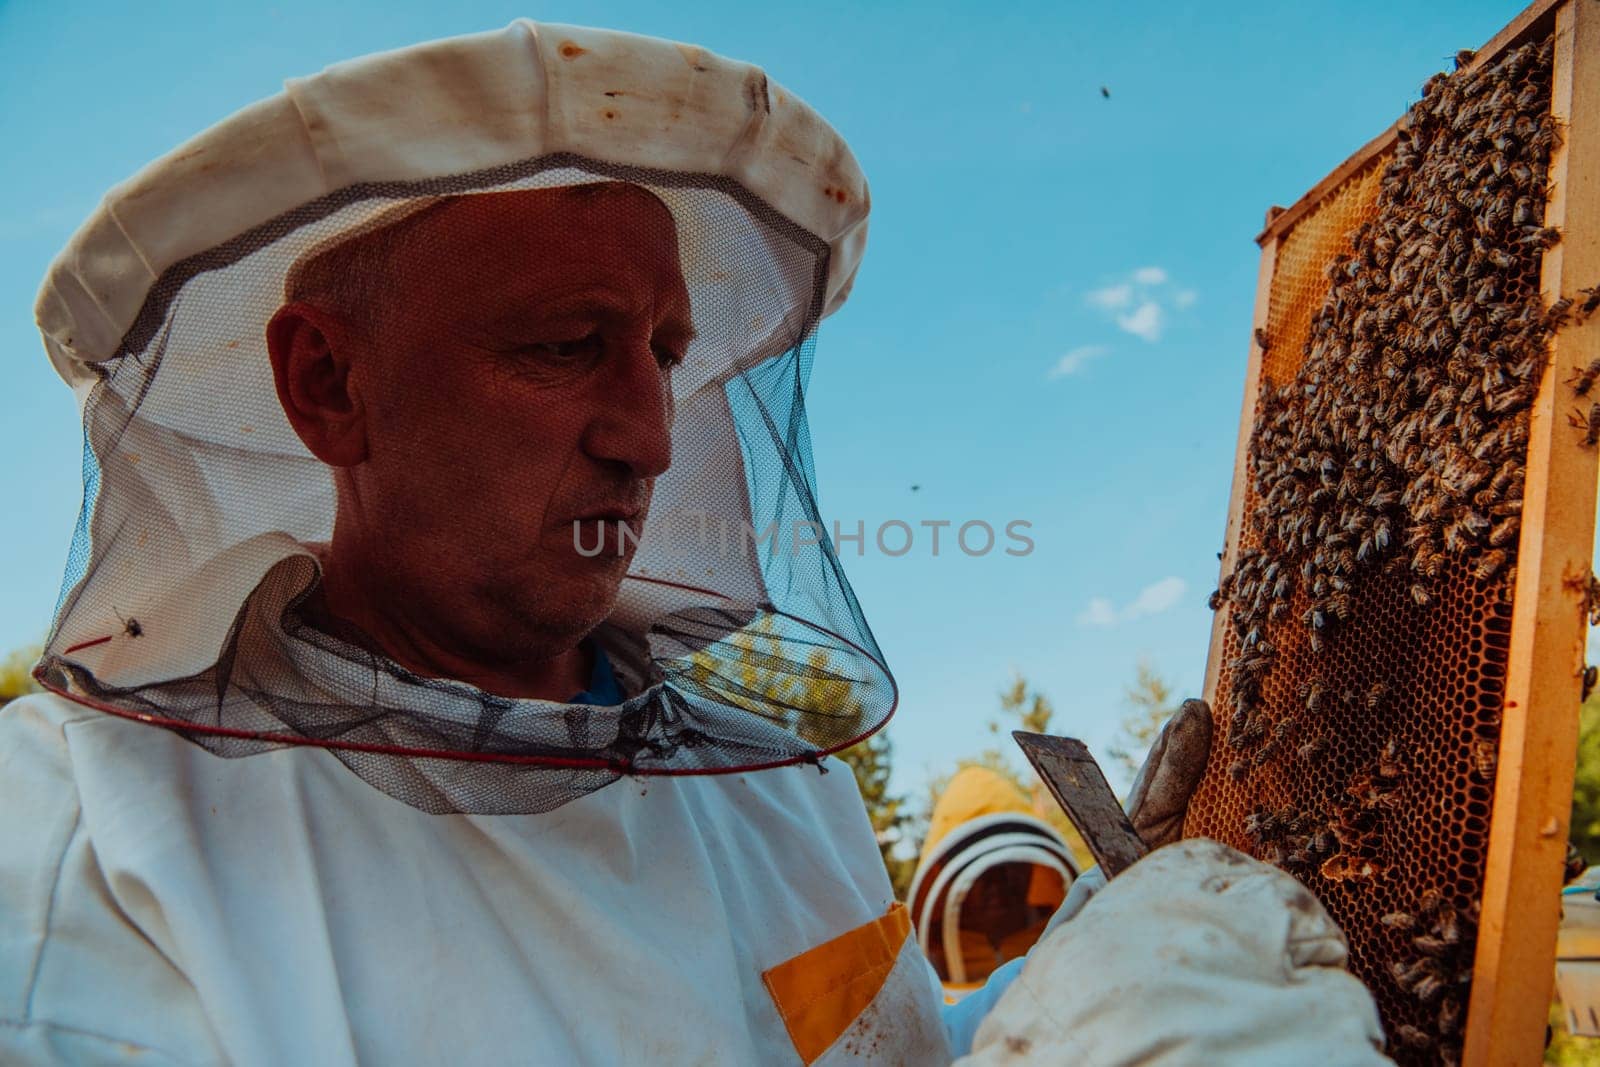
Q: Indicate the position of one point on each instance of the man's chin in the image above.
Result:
(574, 601)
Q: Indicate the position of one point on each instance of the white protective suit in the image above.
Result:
(225, 842)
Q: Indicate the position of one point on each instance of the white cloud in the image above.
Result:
(1100, 612)
(1144, 321)
(1073, 361)
(1153, 599)
(1140, 303)
(1157, 597)
(1112, 297)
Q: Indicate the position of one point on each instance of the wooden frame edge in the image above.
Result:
(1515, 964)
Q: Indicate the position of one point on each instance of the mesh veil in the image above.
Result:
(738, 641)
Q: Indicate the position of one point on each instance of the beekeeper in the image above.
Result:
(989, 877)
(381, 730)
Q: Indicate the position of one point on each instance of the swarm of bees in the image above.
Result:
(1397, 452)
(1438, 973)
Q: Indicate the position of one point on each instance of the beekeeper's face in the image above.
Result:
(504, 378)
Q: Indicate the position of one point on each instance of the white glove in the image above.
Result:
(1198, 954)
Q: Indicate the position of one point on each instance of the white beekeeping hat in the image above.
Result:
(191, 552)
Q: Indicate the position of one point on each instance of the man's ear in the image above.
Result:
(311, 363)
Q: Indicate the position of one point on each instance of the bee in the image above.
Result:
(1408, 975)
(1582, 381)
(1431, 946)
(1261, 339)
(1539, 236)
(1558, 312)
(1399, 920)
(1375, 697)
(1489, 565)
(1464, 57)
(1389, 765)
(1449, 1016)
(1421, 595)
(130, 626)
(1485, 755)
(1591, 674)
(1591, 425)
(1591, 301)
(1505, 531)
(1312, 748)
(1429, 989)
(1411, 1037)
(1237, 770)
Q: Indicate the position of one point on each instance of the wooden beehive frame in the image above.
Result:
(1515, 961)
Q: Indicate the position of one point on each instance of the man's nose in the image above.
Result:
(632, 420)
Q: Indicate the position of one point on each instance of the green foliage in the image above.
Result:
(871, 762)
(1565, 1050)
(1585, 830)
(15, 681)
(769, 682)
(1150, 699)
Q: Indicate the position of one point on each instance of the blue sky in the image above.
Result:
(1050, 324)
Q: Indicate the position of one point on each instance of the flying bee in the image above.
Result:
(130, 626)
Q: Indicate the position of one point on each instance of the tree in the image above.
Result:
(1585, 831)
(15, 679)
(1151, 704)
(871, 762)
(768, 681)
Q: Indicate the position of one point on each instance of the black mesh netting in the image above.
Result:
(207, 566)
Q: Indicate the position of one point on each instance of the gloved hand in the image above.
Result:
(1197, 954)
(1172, 770)
(1159, 799)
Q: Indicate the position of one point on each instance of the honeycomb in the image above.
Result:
(1363, 668)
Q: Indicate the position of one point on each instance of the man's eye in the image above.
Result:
(577, 351)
